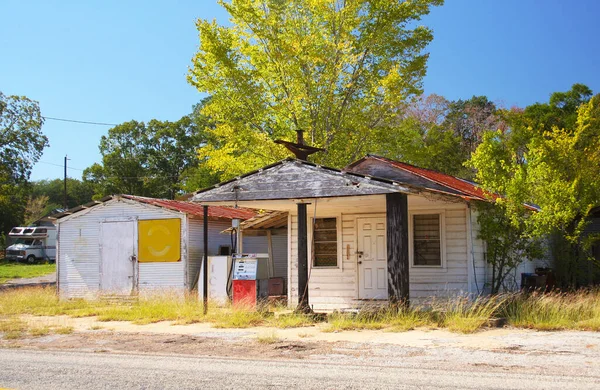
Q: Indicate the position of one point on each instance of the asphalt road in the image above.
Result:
(26, 369)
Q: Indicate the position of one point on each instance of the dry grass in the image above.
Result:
(374, 318)
(536, 311)
(464, 315)
(268, 338)
(555, 311)
(15, 328)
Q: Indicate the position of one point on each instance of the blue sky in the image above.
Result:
(114, 61)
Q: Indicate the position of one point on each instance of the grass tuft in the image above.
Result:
(464, 315)
(268, 338)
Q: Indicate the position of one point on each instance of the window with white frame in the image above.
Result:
(325, 242)
(427, 240)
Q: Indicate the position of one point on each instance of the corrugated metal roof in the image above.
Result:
(175, 205)
(195, 208)
(467, 188)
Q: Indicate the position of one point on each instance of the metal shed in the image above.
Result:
(126, 244)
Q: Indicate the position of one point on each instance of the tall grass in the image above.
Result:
(466, 315)
(552, 311)
(459, 314)
(555, 311)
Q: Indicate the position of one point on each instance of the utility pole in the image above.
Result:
(65, 189)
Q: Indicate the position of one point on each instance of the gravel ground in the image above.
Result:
(59, 370)
(498, 358)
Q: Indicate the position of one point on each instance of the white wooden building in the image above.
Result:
(126, 244)
(346, 222)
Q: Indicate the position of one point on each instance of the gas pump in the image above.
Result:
(245, 269)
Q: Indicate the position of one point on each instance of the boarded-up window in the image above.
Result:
(325, 242)
(427, 240)
(159, 240)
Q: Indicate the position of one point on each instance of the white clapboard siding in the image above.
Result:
(79, 257)
(337, 288)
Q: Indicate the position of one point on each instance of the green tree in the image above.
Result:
(507, 246)
(335, 69)
(21, 145)
(559, 112)
(78, 192)
(156, 159)
(418, 137)
(557, 169)
(433, 132)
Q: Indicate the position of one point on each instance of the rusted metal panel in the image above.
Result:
(293, 179)
(376, 167)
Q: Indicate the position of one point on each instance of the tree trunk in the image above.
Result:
(397, 249)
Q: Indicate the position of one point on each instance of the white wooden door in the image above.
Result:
(372, 258)
(118, 257)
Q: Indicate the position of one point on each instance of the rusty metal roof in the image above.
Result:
(464, 188)
(190, 208)
(195, 208)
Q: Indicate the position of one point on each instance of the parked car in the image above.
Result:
(32, 244)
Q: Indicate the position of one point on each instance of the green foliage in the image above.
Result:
(439, 134)
(507, 245)
(156, 159)
(21, 145)
(339, 71)
(78, 192)
(557, 170)
(560, 111)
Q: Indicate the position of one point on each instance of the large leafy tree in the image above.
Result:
(555, 168)
(433, 132)
(78, 192)
(157, 159)
(21, 145)
(338, 70)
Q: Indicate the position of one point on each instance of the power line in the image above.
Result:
(60, 165)
(115, 177)
(76, 121)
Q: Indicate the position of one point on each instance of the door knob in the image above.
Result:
(359, 262)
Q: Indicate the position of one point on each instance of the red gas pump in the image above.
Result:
(244, 281)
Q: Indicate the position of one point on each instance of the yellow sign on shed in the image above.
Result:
(159, 240)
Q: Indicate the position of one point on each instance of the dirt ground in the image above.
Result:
(496, 349)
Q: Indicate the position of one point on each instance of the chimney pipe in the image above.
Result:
(300, 137)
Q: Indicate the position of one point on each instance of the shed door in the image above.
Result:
(372, 258)
(118, 257)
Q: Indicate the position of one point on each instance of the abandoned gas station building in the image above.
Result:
(377, 230)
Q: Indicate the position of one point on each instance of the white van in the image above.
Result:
(32, 244)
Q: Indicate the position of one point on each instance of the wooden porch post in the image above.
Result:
(205, 262)
(397, 248)
(302, 260)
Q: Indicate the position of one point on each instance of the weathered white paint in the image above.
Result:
(79, 258)
(118, 264)
(338, 288)
(372, 258)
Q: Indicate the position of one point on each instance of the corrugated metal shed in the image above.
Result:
(79, 256)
